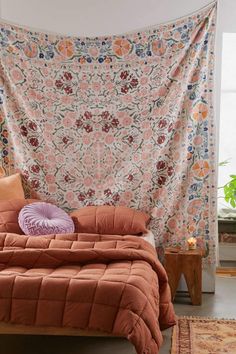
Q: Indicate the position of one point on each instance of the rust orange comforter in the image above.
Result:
(113, 284)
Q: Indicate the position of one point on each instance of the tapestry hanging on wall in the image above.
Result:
(123, 120)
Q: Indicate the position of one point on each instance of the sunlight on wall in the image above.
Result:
(227, 149)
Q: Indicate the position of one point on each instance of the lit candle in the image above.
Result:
(192, 243)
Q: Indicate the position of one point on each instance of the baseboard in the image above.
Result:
(226, 271)
(183, 292)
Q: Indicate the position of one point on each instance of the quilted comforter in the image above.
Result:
(113, 284)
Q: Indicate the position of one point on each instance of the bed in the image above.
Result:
(85, 284)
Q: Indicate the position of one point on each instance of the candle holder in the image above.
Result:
(192, 243)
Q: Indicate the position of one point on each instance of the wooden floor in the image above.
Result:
(218, 305)
(227, 272)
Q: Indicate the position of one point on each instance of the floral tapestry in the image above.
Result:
(121, 120)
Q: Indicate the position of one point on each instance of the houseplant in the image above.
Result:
(230, 191)
(229, 188)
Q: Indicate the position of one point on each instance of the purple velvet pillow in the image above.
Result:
(44, 219)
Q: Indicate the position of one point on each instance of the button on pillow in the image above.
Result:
(44, 219)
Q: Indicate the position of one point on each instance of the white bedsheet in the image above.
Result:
(149, 237)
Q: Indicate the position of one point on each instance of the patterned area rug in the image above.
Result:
(200, 335)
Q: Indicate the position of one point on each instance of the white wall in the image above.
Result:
(227, 129)
(226, 24)
(94, 18)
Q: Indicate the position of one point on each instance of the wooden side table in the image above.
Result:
(188, 263)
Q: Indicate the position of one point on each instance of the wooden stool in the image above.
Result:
(188, 263)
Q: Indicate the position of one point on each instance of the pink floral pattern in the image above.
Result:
(124, 120)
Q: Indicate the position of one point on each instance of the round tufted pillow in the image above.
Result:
(44, 219)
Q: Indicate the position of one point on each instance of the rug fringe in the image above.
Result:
(174, 341)
(203, 318)
(184, 333)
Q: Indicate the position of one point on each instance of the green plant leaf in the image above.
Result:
(230, 191)
(224, 163)
(229, 188)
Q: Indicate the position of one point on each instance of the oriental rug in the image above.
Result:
(199, 335)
